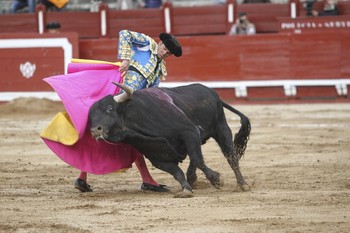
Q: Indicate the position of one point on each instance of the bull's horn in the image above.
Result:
(126, 88)
(124, 96)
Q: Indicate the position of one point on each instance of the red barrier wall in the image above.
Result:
(150, 21)
(216, 59)
(25, 59)
(86, 24)
(259, 57)
(310, 56)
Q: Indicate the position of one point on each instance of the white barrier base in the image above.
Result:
(289, 86)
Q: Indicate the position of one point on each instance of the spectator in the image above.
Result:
(151, 3)
(219, 2)
(128, 4)
(256, 1)
(53, 27)
(20, 4)
(329, 9)
(242, 26)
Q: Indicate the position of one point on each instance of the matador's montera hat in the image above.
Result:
(171, 43)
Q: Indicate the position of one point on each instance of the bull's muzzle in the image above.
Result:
(98, 132)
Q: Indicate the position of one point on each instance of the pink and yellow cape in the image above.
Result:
(68, 134)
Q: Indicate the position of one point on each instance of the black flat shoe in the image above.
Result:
(81, 185)
(161, 188)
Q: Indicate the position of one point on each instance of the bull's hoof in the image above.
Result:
(245, 187)
(194, 185)
(192, 180)
(219, 184)
(242, 188)
(82, 185)
(185, 193)
(161, 188)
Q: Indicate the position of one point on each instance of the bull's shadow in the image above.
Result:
(167, 124)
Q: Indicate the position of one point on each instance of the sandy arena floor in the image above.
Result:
(297, 163)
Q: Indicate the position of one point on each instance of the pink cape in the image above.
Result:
(78, 90)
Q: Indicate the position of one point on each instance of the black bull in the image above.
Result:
(167, 124)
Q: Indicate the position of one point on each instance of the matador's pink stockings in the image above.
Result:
(141, 165)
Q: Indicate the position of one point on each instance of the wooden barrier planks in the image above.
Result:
(148, 21)
(86, 24)
(199, 20)
(259, 57)
(317, 57)
(17, 23)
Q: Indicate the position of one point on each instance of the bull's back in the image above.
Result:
(194, 94)
(200, 103)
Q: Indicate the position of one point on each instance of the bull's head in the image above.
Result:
(105, 114)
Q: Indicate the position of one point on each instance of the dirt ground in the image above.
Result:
(297, 164)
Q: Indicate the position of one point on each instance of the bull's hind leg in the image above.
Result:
(178, 174)
(224, 138)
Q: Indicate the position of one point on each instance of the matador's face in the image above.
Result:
(162, 51)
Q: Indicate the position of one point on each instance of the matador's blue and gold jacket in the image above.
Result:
(141, 50)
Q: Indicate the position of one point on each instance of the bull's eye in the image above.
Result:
(109, 109)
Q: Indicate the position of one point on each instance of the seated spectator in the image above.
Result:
(329, 9)
(128, 4)
(151, 3)
(242, 26)
(53, 27)
(220, 2)
(20, 4)
(256, 1)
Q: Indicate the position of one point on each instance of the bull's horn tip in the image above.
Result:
(115, 83)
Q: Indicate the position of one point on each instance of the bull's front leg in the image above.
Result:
(178, 174)
(197, 161)
(211, 175)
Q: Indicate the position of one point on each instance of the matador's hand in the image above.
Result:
(124, 67)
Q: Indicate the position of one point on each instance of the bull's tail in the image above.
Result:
(241, 138)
